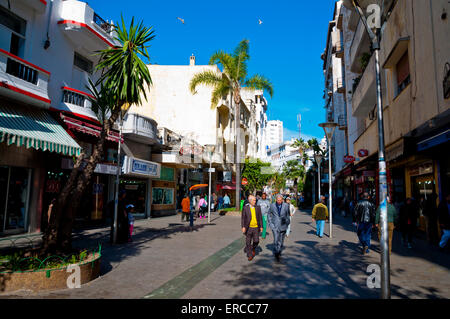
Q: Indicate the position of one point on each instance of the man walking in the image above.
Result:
(278, 219)
(320, 215)
(252, 225)
(365, 217)
(392, 219)
(185, 208)
(264, 203)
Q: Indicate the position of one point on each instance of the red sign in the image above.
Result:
(349, 159)
(363, 153)
(244, 181)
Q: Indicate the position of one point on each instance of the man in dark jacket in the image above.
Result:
(252, 225)
(365, 217)
(444, 221)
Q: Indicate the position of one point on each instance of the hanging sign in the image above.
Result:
(363, 153)
(349, 159)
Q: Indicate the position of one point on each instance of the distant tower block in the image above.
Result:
(192, 60)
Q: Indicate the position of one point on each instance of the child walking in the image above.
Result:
(130, 211)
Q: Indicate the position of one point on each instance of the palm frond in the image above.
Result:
(259, 82)
(208, 78)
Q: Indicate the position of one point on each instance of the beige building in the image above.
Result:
(414, 58)
(189, 122)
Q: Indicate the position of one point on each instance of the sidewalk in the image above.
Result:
(168, 260)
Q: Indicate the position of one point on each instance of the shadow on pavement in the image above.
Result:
(113, 254)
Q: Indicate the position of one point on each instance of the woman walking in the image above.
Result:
(203, 205)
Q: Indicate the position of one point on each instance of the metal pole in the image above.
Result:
(329, 188)
(209, 192)
(385, 262)
(116, 202)
(318, 184)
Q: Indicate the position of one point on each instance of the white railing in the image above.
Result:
(23, 77)
(72, 96)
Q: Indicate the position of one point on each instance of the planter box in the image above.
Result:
(48, 279)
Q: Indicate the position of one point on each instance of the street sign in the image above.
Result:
(211, 170)
(244, 181)
(349, 159)
(363, 153)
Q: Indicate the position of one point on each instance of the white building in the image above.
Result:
(46, 58)
(274, 132)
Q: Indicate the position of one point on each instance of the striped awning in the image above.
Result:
(35, 128)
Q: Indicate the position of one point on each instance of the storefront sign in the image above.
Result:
(363, 153)
(422, 169)
(67, 163)
(347, 171)
(369, 173)
(140, 167)
(195, 150)
(244, 181)
(349, 159)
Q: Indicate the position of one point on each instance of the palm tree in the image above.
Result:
(230, 82)
(122, 83)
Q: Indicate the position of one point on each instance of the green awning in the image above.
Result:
(35, 128)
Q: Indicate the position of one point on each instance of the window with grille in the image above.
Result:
(83, 63)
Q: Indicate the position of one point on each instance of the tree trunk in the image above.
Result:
(59, 235)
(50, 234)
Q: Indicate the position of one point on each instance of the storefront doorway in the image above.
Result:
(14, 199)
(136, 191)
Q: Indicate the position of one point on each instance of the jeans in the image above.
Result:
(365, 233)
(445, 237)
(320, 225)
(288, 231)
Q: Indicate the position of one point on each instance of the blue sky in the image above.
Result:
(285, 48)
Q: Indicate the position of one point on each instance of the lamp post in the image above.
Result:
(210, 149)
(329, 128)
(116, 202)
(375, 42)
(318, 157)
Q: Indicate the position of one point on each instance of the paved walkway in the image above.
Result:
(168, 260)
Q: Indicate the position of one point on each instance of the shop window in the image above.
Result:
(162, 196)
(402, 72)
(14, 191)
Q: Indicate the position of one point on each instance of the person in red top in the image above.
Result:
(185, 208)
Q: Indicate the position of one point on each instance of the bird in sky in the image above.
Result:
(259, 21)
(182, 20)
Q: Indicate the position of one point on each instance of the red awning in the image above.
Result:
(88, 128)
(220, 186)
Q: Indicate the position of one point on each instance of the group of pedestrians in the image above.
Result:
(255, 218)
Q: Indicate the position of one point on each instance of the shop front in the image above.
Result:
(27, 137)
(164, 192)
(136, 181)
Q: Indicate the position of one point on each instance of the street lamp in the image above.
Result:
(375, 41)
(116, 202)
(318, 157)
(329, 128)
(210, 149)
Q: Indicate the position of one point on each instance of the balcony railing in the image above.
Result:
(102, 23)
(24, 78)
(76, 97)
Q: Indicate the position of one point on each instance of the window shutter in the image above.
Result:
(402, 69)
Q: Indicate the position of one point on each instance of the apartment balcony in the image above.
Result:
(342, 122)
(340, 83)
(23, 81)
(140, 128)
(360, 44)
(364, 95)
(38, 5)
(73, 99)
(84, 27)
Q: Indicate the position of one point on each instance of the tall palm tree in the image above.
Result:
(122, 82)
(230, 82)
